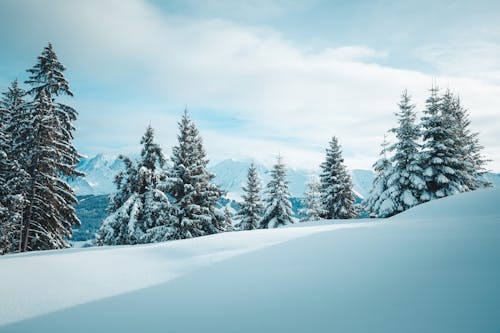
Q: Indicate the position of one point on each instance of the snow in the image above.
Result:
(433, 268)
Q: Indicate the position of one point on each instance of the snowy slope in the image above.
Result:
(434, 268)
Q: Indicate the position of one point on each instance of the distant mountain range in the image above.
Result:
(230, 176)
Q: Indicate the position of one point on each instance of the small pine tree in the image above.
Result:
(190, 184)
(251, 208)
(312, 201)
(228, 220)
(405, 182)
(278, 210)
(337, 196)
(380, 202)
(140, 212)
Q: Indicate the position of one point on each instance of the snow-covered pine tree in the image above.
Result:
(228, 220)
(278, 209)
(50, 157)
(190, 184)
(12, 180)
(140, 211)
(439, 156)
(469, 148)
(16, 120)
(337, 196)
(313, 209)
(251, 208)
(380, 202)
(405, 181)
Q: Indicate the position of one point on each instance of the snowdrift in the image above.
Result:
(434, 268)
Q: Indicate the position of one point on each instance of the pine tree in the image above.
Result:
(251, 208)
(140, 211)
(12, 179)
(312, 201)
(468, 147)
(405, 182)
(380, 201)
(50, 157)
(278, 210)
(228, 220)
(190, 184)
(440, 156)
(337, 196)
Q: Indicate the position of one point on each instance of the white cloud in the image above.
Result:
(292, 100)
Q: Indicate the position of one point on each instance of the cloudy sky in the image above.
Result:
(260, 78)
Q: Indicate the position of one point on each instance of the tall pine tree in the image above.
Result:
(140, 211)
(278, 209)
(50, 158)
(251, 208)
(190, 184)
(12, 181)
(337, 196)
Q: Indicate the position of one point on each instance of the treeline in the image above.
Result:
(36, 156)
(158, 201)
(430, 159)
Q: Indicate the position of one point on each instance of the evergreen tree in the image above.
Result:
(140, 212)
(312, 201)
(405, 182)
(228, 220)
(251, 208)
(16, 120)
(440, 156)
(278, 210)
(380, 201)
(50, 157)
(190, 184)
(468, 147)
(12, 179)
(337, 196)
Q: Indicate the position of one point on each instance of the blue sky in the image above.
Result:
(259, 77)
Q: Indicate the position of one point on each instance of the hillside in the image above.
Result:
(434, 268)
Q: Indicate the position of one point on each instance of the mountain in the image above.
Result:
(433, 268)
(100, 172)
(230, 175)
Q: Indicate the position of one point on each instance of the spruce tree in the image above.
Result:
(440, 156)
(140, 211)
(278, 209)
(12, 180)
(46, 139)
(251, 208)
(380, 201)
(190, 184)
(228, 220)
(468, 148)
(337, 196)
(312, 201)
(405, 182)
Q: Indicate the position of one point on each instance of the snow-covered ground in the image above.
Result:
(434, 268)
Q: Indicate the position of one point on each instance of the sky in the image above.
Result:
(260, 78)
